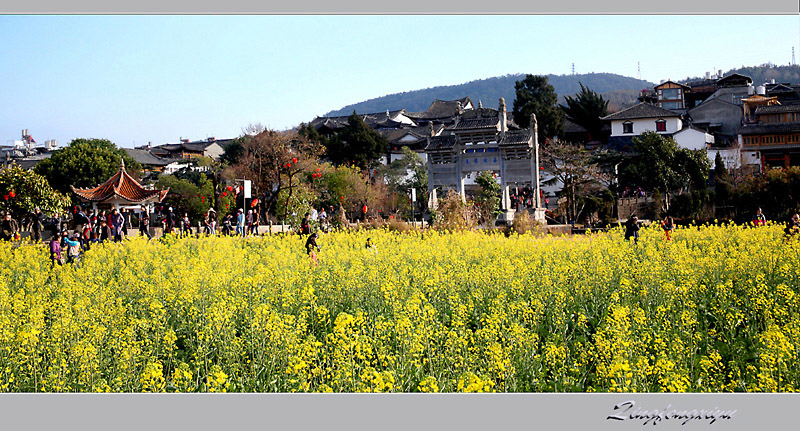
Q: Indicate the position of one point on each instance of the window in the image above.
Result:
(627, 127)
(661, 125)
(671, 105)
(670, 94)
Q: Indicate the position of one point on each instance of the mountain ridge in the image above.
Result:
(620, 89)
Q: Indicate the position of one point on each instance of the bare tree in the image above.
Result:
(272, 161)
(576, 169)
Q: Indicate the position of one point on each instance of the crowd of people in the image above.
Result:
(633, 225)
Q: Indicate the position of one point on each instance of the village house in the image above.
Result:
(772, 133)
(638, 119)
(210, 147)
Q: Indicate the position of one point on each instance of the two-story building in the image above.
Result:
(637, 119)
(773, 134)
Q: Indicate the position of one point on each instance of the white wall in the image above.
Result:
(730, 156)
(693, 139)
(214, 151)
(748, 157)
(642, 125)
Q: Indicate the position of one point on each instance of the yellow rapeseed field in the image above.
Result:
(714, 310)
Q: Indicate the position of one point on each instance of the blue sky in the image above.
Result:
(134, 79)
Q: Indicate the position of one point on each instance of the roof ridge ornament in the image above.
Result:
(122, 164)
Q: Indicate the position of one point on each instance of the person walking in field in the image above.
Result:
(185, 226)
(759, 219)
(240, 223)
(249, 222)
(305, 225)
(144, 222)
(669, 226)
(312, 248)
(55, 252)
(116, 224)
(256, 221)
(36, 225)
(9, 229)
(73, 249)
(632, 229)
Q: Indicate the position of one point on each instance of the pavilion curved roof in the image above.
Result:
(121, 186)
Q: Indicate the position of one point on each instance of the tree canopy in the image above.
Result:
(585, 109)
(23, 191)
(356, 143)
(535, 96)
(85, 163)
(659, 164)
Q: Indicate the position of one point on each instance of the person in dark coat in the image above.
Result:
(117, 221)
(632, 229)
(144, 222)
(36, 225)
(8, 228)
(305, 225)
(312, 248)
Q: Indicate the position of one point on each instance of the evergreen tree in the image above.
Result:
(357, 143)
(722, 181)
(535, 96)
(586, 109)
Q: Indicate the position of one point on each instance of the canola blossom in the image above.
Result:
(714, 310)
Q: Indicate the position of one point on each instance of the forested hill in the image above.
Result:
(766, 73)
(619, 90)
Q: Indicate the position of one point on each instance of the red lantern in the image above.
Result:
(230, 189)
(202, 198)
(254, 203)
(224, 193)
(318, 170)
(294, 159)
(288, 165)
(6, 196)
(12, 194)
(341, 198)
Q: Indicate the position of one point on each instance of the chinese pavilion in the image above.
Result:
(119, 191)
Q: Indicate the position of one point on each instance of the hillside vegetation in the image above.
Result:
(620, 90)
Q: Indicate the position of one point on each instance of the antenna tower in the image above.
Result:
(573, 64)
(793, 63)
(638, 70)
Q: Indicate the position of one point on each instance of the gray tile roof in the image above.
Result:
(477, 123)
(146, 157)
(372, 119)
(570, 127)
(441, 143)
(516, 138)
(770, 128)
(440, 109)
(641, 110)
